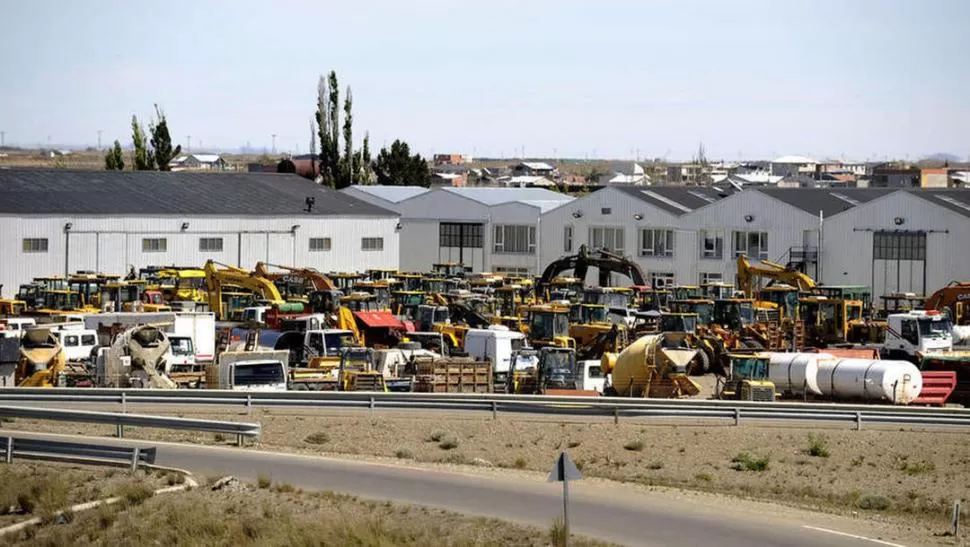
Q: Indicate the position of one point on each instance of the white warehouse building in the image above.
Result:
(486, 229)
(57, 222)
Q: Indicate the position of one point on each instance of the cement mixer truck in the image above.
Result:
(41, 359)
(136, 358)
(654, 366)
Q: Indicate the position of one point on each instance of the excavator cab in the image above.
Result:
(733, 314)
(406, 303)
(782, 297)
(717, 290)
(324, 301)
(410, 281)
(704, 309)
(345, 281)
(899, 303)
(548, 325)
(678, 322)
(686, 292)
(449, 269)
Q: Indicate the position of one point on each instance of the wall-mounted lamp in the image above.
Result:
(748, 218)
(68, 226)
(397, 227)
(577, 214)
(637, 216)
(185, 226)
(294, 228)
(899, 221)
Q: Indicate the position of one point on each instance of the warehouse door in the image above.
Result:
(113, 254)
(898, 263)
(462, 242)
(252, 249)
(82, 252)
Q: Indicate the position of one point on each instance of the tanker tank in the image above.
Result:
(897, 382)
(796, 373)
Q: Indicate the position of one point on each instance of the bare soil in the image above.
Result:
(907, 477)
(277, 515)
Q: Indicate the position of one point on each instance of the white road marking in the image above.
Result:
(863, 538)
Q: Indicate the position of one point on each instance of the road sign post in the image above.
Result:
(564, 471)
(956, 518)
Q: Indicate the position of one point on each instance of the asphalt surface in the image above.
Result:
(626, 516)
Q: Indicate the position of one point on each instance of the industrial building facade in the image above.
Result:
(56, 222)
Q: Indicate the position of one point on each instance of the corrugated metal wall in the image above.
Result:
(111, 244)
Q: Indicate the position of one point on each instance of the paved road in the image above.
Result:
(627, 516)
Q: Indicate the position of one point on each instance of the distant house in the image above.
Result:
(449, 179)
(535, 169)
(895, 177)
(683, 173)
(625, 173)
(935, 178)
(526, 181)
(793, 166)
(198, 162)
(449, 159)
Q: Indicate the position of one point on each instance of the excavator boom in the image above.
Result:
(605, 261)
(747, 272)
(215, 278)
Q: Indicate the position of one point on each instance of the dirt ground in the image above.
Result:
(275, 515)
(909, 476)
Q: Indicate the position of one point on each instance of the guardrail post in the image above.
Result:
(494, 410)
(135, 453)
(956, 518)
(737, 416)
(239, 439)
(858, 421)
(120, 431)
(616, 416)
(124, 403)
(372, 406)
(8, 455)
(249, 405)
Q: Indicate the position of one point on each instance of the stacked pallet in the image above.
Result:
(453, 375)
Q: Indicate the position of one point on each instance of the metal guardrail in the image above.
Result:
(60, 450)
(121, 420)
(616, 407)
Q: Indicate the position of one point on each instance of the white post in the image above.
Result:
(134, 459)
(565, 499)
(9, 453)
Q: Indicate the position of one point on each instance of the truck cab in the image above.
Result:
(182, 352)
(78, 344)
(248, 371)
(911, 334)
(497, 345)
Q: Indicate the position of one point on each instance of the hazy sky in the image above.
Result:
(854, 78)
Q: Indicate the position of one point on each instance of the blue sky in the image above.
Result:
(749, 78)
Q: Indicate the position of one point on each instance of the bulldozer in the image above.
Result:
(358, 372)
(747, 379)
(42, 359)
(653, 366)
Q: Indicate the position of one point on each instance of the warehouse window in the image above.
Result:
(210, 244)
(751, 244)
(656, 242)
(318, 244)
(660, 280)
(154, 245)
(514, 270)
(567, 243)
(372, 244)
(515, 239)
(35, 245)
(711, 277)
(606, 210)
(899, 246)
(460, 234)
(712, 244)
(607, 238)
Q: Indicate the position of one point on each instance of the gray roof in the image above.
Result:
(495, 196)
(393, 194)
(71, 192)
(830, 201)
(954, 199)
(676, 200)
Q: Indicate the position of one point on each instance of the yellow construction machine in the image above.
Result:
(42, 359)
(548, 325)
(11, 306)
(747, 379)
(264, 289)
(653, 366)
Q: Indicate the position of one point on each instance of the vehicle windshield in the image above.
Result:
(934, 327)
(546, 326)
(336, 341)
(250, 374)
(182, 346)
(560, 362)
(517, 343)
(595, 314)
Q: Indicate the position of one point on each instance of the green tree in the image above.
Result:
(114, 160)
(143, 159)
(396, 166)
(328, 122)
(162, 151)
(351, 163)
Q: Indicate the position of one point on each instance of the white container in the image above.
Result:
(898, 382)
(796, 373)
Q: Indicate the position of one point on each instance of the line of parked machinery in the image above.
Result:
(777, 333)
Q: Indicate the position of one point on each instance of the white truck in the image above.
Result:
(497, 344)
(79, 344)
(593, 377)
(14, 327)
(200, 327)
(248, 371)
(917, 332)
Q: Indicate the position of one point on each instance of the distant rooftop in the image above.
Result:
(676, 200)
(537, 197)
(393, 194)
(830, 201)
(794, 159)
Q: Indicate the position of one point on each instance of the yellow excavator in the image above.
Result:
(264, 289)
(41, 359)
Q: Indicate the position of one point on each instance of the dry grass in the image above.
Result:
(280, 518)
(42, 489)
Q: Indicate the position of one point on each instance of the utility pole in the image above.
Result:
(188, 143)
(99, 140)
(274, 143)
(3, 137)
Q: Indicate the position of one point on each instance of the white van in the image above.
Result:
(496, 344)
(15, 326)
(78, 344)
